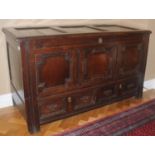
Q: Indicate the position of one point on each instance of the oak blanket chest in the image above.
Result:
(59, 71)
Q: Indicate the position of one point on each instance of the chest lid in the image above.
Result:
(28, 32)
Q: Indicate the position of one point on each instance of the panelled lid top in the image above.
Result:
(24, 32)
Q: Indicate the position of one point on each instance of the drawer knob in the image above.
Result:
(100, 40)
(120, 86)
(41, 85)
(69, 99)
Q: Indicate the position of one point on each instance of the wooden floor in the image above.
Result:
(12, 122)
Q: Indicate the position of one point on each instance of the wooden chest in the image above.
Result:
(59, 71)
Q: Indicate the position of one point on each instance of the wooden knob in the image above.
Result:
(41, 85)
(120, 86)
(69, 99)
(100, 40)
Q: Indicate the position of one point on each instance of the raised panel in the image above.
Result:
(98, 63)
(130, 59)
(54, 71)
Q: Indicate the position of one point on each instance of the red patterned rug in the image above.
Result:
(138, 121)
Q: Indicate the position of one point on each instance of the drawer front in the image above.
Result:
(128, 86)
(106, 94)
(52, 107)
(94, 97)
(84, 100)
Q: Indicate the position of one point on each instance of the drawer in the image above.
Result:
(66, 104)
(52, 107)
(84, 99)
(105, 94)
(128, 86)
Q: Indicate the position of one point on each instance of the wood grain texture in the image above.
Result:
(12, 123)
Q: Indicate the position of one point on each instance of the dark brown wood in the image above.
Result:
(60, 71)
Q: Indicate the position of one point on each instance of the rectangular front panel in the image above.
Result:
(130, 59)
(54, 72)
(15, 69)
(52, 107)
(97, 64)
(128, 86)
(84, 99)
(106, 94)
(81, 40)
